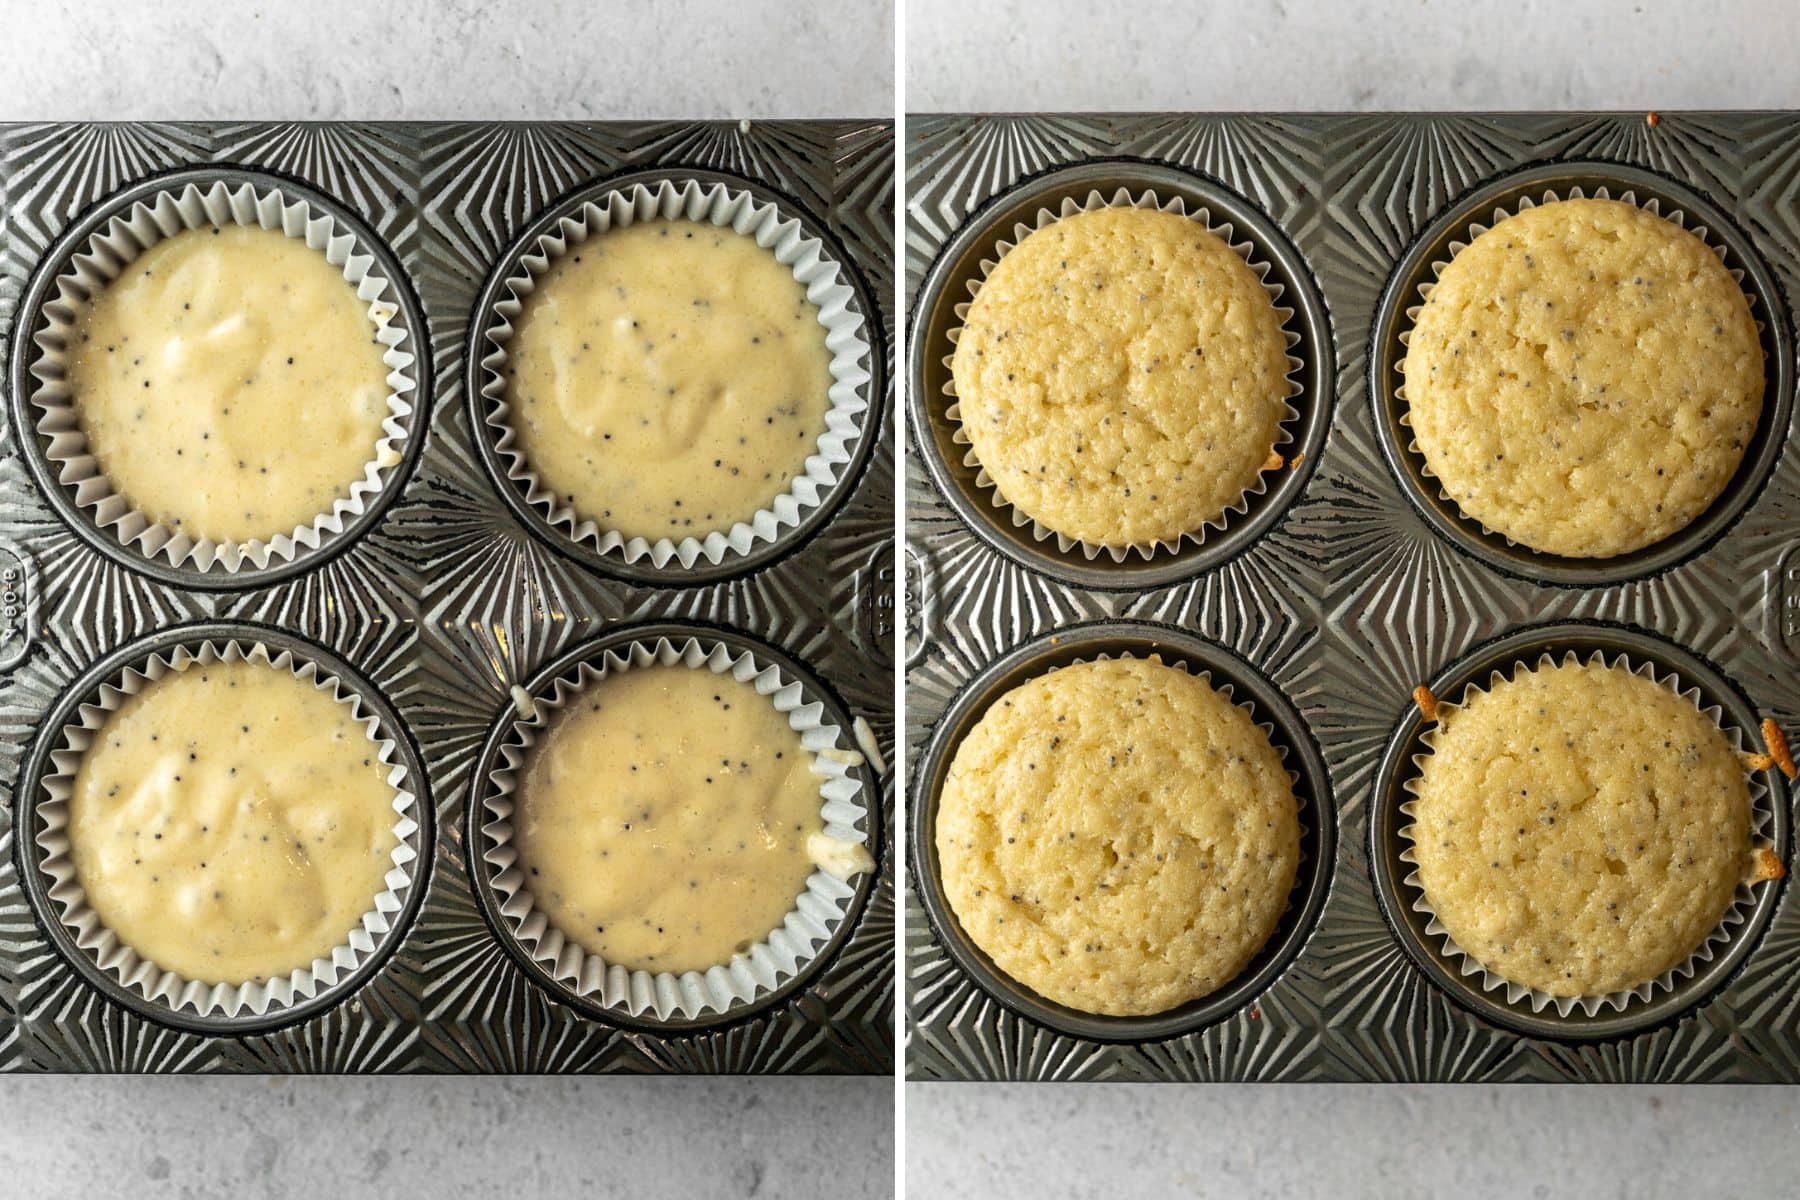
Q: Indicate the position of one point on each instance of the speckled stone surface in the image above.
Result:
(1337, 55)
(271, 1139)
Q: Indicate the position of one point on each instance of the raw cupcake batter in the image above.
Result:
(231, 822)
(229, 383)
(663, 818)
(668, 379)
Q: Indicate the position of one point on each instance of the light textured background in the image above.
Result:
(1050, 1142)
(514, 1139)
(1335, 55)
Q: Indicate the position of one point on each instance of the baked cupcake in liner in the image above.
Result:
(1244, 249)
(136, 973)
(1302, 862)
(828, 288)
(112, 247)
(1475, 228)
(749, 975)
(1466, 965)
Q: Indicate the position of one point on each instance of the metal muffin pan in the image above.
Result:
(1352, 594)
(444, 600)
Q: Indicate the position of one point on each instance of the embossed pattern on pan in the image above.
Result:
(1352, 597)
(1223, 671)
(959, 267)
(447, 600)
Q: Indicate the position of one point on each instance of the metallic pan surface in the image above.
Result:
(446, 601)
(1353, 596)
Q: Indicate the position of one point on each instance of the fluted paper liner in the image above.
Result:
(749, 975)
(1475, 229)
(1761, 820)
(1244, 249)
(114, 246)
(139, 974)
(827, 288)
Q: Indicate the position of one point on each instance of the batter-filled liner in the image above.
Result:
(112, 248)
(827, 287)
(125, 965)
(818, 911)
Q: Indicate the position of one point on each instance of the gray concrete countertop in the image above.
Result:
(269, 1139)
(1077, 1141)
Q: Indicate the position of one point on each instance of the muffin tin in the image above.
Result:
(1354, 590)
(443, 601)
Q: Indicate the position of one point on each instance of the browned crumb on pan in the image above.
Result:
(1779, 754)
(1428, 703)
(1652, 119)
(1765, 865)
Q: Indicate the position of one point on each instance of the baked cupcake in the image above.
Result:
(1121, 375)
(1583, 378)
(1118, 836)
(1581, 829)
(229, 384)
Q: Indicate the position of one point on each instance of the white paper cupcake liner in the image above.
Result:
(114, 246)
(126, 966)
(1473, 230)
(786, 951)
(1244, 249)
(1761, 821)
(827, 288)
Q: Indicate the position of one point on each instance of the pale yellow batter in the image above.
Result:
(663, 817)
(668, 379)
(229, 383)
(231, 822)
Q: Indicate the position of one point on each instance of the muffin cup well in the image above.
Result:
(749, 978)
(1244, 248)
(1530, 1010)
(127, 227)
(215, 1007)
(815, 265)
(1411, 285)
(1245, 687)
